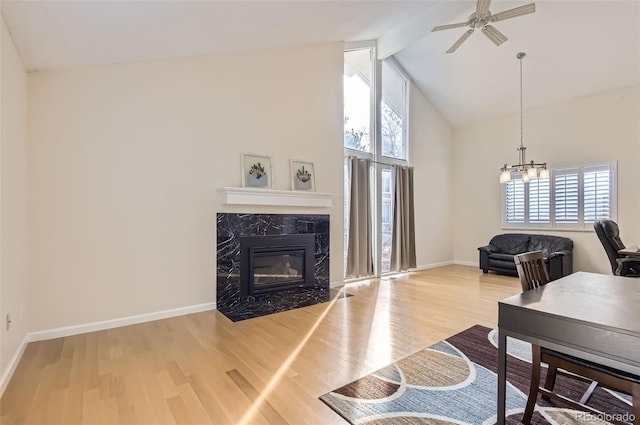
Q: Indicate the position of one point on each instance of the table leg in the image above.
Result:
(502, 375)
(636, 403)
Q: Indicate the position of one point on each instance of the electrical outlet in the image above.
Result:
(8, 321)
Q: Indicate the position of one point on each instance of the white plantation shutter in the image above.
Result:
(574, 198)
(539, 201)
(566, 196)
(597, 193)
(514, 201)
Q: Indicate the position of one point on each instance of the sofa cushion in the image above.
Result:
(511, 243)
(501, 264)
(501, 257)
(549, 244)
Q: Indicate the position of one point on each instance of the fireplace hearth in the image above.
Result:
(268, 263)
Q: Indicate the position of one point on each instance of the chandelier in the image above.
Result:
(531, 170)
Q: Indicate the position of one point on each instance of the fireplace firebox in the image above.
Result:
(276, 262)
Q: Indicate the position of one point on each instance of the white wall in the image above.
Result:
(594, 129)
(13, 202)
(431, 155)
(126, 161)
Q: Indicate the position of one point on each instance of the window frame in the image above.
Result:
(395, 66)
(373, 95)
(380, 162)
(553, 224)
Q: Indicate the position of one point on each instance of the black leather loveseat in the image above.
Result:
(498, 255)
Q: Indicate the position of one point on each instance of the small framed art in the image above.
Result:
(302, 175)
(256, 171)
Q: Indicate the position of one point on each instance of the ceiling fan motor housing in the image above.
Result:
(478, 21)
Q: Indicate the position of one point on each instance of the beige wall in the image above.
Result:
(13, 201)
(431, 154)
(595, 129)
(126, 161)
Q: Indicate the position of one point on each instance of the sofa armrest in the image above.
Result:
(560, 264)
(559, 253)
(484, 256)
(489, 249)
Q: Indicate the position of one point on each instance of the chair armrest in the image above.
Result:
(628, 266)
(629, 259)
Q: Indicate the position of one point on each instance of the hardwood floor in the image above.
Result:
(202, 368)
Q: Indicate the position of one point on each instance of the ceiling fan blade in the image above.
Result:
(494, 35)
(460, 41)
(482, 7)
(512, 13)
(449, 26)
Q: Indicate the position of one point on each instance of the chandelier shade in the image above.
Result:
(530, 170)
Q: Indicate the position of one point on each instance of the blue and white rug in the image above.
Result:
(455, 382)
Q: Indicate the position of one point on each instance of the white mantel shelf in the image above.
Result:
(284, 198)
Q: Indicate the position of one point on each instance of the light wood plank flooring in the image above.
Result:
(203, 368)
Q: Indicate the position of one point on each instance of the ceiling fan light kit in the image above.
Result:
(531, 170)
(481, 18)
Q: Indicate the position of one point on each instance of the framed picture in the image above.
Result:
(256, 171)
(303, 176)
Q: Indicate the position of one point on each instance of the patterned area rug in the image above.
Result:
(455, 382)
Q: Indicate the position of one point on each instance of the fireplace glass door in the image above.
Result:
(273, 268)
(273, 263)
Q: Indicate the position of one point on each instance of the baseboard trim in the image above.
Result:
(92, 327)
(466, 263)
(416, 269)
(431, 266)
(116, 323)
(13, 364)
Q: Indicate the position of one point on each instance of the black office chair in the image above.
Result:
(621, 265)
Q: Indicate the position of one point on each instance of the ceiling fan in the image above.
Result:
(481, 18)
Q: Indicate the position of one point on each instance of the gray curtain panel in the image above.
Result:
(403, 245)
(359, 246)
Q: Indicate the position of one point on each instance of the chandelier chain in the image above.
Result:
(521, 112)
(529, 170)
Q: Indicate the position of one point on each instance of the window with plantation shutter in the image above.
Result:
(597, 194)
(566, 196)
(573, 198)
(539, 201)
(514, 202)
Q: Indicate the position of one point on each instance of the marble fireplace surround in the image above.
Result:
(233, 226)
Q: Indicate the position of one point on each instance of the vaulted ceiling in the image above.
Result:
(574, 48)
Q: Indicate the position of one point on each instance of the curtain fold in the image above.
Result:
(359, 245)
(403, 245)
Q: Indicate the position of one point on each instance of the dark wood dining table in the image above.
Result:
(588, 315)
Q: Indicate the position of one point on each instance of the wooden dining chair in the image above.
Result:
(533, 274)
(531, 270)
